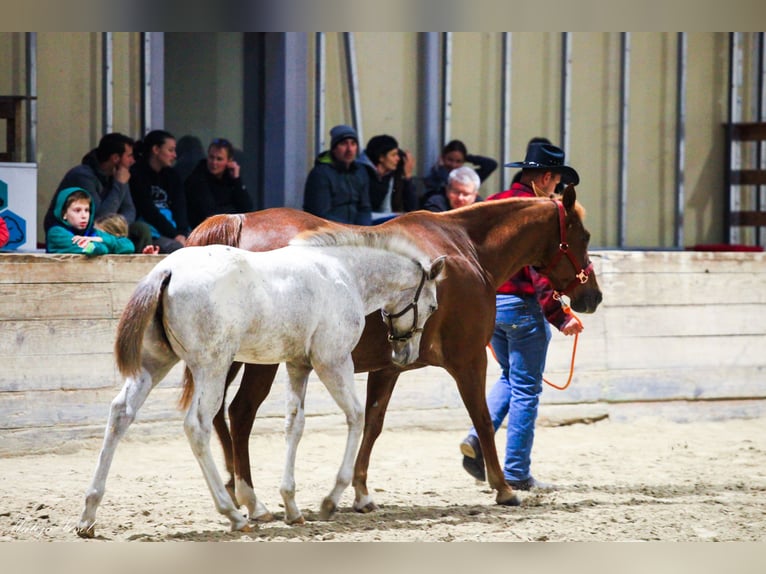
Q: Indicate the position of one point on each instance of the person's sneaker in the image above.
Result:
(473, 461)
(530, 484)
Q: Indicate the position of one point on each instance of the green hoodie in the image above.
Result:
(58, 239)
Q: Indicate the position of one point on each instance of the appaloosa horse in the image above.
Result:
(304, 305)
(486, 243)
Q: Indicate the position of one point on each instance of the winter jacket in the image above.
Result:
(208, 195)
(338, 193)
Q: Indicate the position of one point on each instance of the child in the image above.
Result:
(116, 224)
(74, 232)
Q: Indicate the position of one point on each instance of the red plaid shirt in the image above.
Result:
(528, 282)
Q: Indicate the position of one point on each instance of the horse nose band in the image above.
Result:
(412, 305)
(581, 277)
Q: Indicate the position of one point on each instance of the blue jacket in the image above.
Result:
(336, 193)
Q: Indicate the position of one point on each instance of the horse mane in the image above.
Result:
(221, 229)
(387, 240)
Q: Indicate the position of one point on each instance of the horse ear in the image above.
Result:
(437, 266)
(569, 197)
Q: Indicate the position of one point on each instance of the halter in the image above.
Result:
(412, 305)
(580, 277)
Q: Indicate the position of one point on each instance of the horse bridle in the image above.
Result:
(412, 305)
(581, 277)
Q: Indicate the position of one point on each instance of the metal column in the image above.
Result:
(566, 89)
(107, 79)
(320, 91)
(505, 110)
(31, 64)
(446, 88)
(622, 206)
(428, 110)
(681, 66)
(154, 81)
(353, 79)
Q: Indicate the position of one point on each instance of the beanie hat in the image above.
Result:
(380, 145)
(340, 133)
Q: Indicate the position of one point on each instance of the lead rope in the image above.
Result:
(568, 311)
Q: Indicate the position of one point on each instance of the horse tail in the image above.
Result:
(188, 390)
(224, 229)
(140, 310)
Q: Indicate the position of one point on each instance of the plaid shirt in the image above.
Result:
(529, 282)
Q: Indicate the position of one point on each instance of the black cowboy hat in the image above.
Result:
(549, 158)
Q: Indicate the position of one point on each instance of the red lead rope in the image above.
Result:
(568, 311)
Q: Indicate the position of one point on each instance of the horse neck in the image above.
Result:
(511, 234)
(380, 274)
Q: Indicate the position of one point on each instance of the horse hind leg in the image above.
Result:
(380, 387)
(295, 421)
(253, 390)
(198, 425)
(340, 383)
(122, 412)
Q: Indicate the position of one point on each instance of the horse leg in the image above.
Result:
(253, 390)
(198, 424)
(340, 383)
(295, 420)
(222, 430)
(380, 386)
(471, 381)
(122, 412)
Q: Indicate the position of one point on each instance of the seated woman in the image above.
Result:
(157, 191)
(215, 185)
(389, 168)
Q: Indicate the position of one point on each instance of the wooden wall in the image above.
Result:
(674, 327)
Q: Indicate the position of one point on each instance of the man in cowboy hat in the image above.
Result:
(521, 336)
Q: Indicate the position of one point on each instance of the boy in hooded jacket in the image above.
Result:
(73, 231)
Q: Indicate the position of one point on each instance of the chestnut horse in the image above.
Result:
(485, 243)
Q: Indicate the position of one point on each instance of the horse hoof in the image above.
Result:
(299, 521)
(246, 528)
(513, 500)
(367, 508)
(266, 517)
(328, 509)
(86, 532)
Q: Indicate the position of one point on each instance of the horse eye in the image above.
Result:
(433, 308)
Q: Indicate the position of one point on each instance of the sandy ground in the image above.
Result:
(645, 480)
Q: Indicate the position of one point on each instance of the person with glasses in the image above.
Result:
(462, 189)
(215, 185)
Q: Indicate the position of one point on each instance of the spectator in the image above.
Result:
(4, 235)
(157, 191)
(115, 224)
(215, 185)
(389, 170)
(104, 173)
(462, 189)
(338, 187)
(521, 336)
(454, 155)
(73, 231)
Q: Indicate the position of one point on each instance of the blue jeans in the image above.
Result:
(520, 343)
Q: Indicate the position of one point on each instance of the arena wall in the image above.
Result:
(676, 328)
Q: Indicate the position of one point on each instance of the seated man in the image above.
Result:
(104, 173)
(338, 187)
(462, 189)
